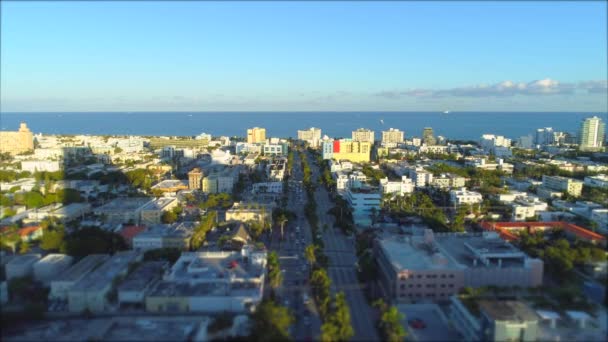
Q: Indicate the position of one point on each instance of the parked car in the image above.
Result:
(417, 323)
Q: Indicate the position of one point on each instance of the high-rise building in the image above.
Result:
(544, 136)
(592, 134)
(17, 142)
(428, 136)
(312, 136)
(256, 135)
(393, 135)
(363, 135)
(195, 176)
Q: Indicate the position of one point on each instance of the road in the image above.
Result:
(293, 263)
(341, 252)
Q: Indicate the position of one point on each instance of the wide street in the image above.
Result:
(341, 252)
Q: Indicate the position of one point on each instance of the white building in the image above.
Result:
(363, 134)
(50, 266)
(572, 186)
(592, 134)
(495, 144)
(527, 207)
(21, 266)
(464, 196)
(40, 166)
(392, 136)
(599, 181)
(363, 202)
(312, 136)
(267, 187)
(61, 284)
(405, 186)
(420, 176)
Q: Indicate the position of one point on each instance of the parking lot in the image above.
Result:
(435, 326)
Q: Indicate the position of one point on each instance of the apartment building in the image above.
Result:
(346, 149)
(220, 179)
(363, 201)
(420, 176)
(17, 142)
(256, 135)
(599, 181)
(137, 284)
(195, 178)
(571, 186)
(50, 266)
(66, 279)
(432, 267)
(392, 136)
(464, 196)
(122, 209)
(249, 211)
(312, 136)
(448, 181)
(152, 212)
(363, 135)
(404, 186)
(278, 149)
(40, 166)
(175, 235)
(592, 134)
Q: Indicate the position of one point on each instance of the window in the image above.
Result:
(419, 285)
(451, 285)
(442, 285)
(411, 285)
(402, 287)
(419, 276)
(451, 276)
(443, 276)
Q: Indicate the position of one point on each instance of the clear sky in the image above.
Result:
(343, 56)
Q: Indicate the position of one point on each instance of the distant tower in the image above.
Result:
(256, 135)
(363, 134)
(195, 177)
(591, 136)
(428, 136)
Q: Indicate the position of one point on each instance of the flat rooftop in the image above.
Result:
(508, 310)
(54, 258)
(213, 266)
(159, 203)
(410, 253)
(143, 275)
(170, 183)
(82, 267)
(124, 204)
(165, 230)
(23, 260)
(104, 274)
(174, 289)
(465, 248)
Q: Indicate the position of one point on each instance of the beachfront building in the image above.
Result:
(347, 149)
(592, 134)
(363, 135)
(312, 136)
(392, 136)
(14, 143)
(256, 135)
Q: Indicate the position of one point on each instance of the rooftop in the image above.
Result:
(124, 204)
(214, 266)
(25, 259)
(54, 258)
(104, 274)
(82, 267)
(479, 250)
(159, 203)
(507, 310)
(143, 275)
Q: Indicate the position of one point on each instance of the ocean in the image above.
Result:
(455, 125)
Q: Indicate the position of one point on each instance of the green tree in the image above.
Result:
(24, 247)
(53, 240)
(320, 283)
(275, 276)
(310, 254)
(168, 254)
(340, 317)
(168, 216)
(390, 322)
(271, 322)
(93, 241)
(10, 238)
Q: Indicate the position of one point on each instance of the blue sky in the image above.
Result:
(130, 56)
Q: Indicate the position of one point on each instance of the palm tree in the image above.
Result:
(310, 255)
(282, 219)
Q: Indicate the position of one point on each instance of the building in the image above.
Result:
(447, 181)
(244, 212)
(392, 136)
(363, 135)
(405, 186)
(122, 209)
(152, 212)
(464, 196)
(364, 202)
(135, 286)
(176, 235)
(506, 230)
(71, 211)
(280, 149)
(428, 137)
(544, 136)
(40, 166)
(267, 187)
(195, 178)
(592, 134)
(256, 135)
(527, 207)
(211, 282)
(50, 266)
(432, 267)
(571, 186)
(495, 320)
(18, 142)
(21, 266)
(496, 145)
(171, 185)
(90, 292)
(129, 232)
(346, 149)
(220, 179)
(599, 181)
(66, 279)
(312, 136)
(420, 176)
(275, 170)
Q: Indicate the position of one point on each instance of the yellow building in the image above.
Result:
(256, 135)
(17, 142)
(354, 151)
(195, 176)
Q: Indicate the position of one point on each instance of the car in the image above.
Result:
(417, 323)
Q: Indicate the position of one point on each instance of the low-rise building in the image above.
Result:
(135, 286)
(40, 166)
(598, 181)
(152, 212)
(363, 201)
(495, 320)
(448, 181)
(156, 236)
(432, 267)
(171, 185)
(61, 284)
(21, 266)
(50, 266)
(211, 282)
(571, 186)
(122, 209)
(90, 292)
(249, 211)
(464, 196)
(347, 149)
(527, 207)
(405, 186)
(267, 187)
(420, 176)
